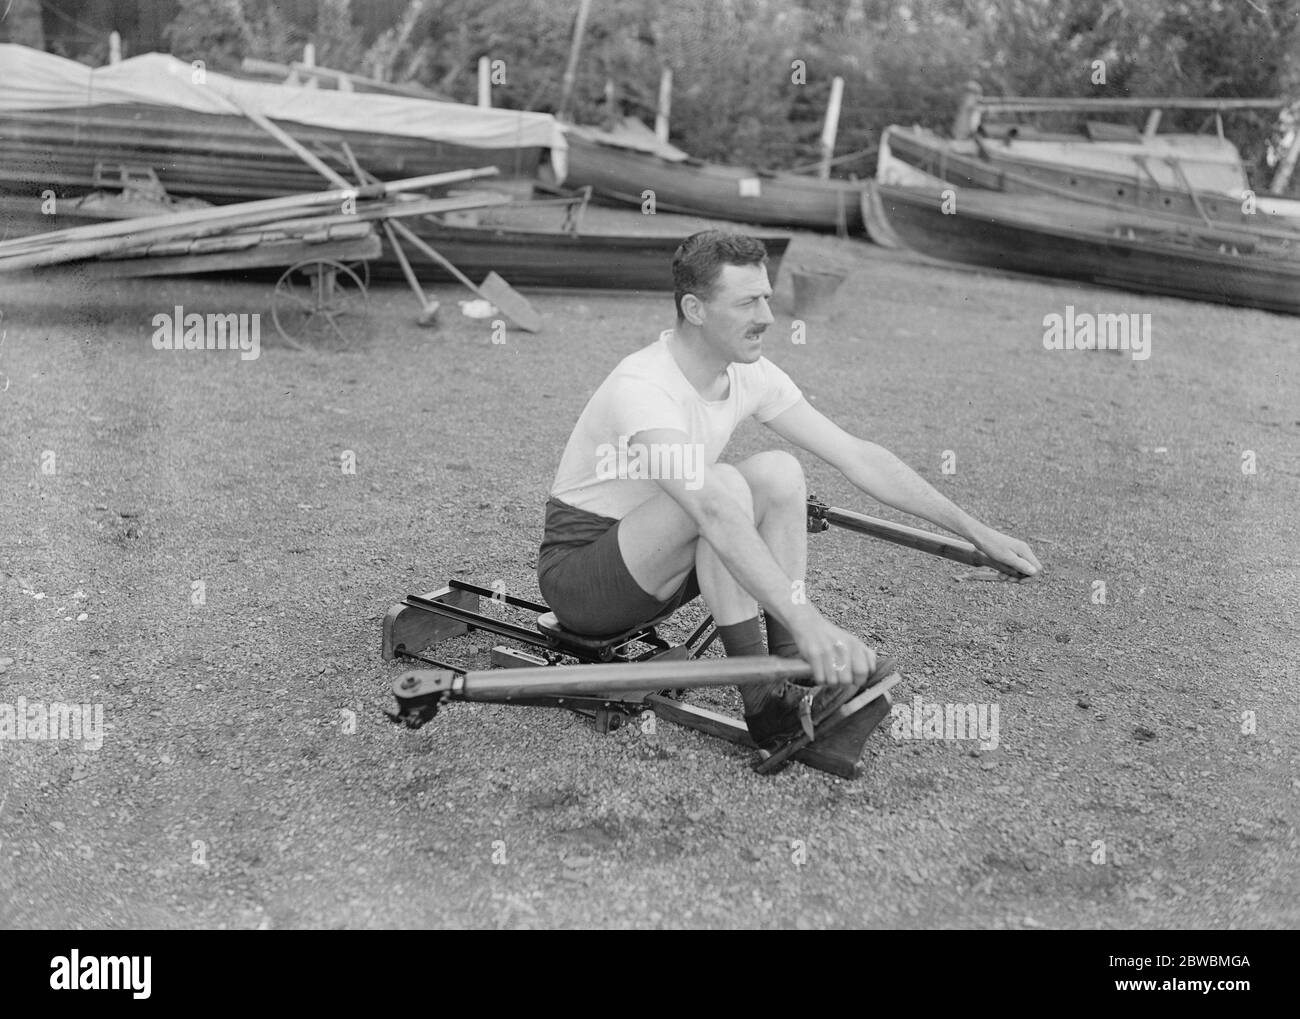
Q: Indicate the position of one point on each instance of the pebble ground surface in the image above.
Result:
(183, 547)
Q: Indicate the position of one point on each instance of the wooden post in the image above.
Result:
(611, 105)
(309, 59)
(114, 48)
(1287, 167)
(968, 111)
(832, 126)
(665, 104)
(484, 82)
(571, 68)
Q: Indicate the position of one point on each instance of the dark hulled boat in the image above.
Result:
(1113, 246)
(693, 187)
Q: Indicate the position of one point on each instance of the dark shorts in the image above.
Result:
(584, 580)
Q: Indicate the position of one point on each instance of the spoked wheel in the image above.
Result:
(362, 271)
(320, 304)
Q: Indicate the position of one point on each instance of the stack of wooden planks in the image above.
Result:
(336, 223)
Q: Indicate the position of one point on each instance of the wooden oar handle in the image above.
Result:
(821, 516)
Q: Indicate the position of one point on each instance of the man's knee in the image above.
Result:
(775, 476)
(736, 485)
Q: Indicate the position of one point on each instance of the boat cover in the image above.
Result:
(630, 133)
(34, 80)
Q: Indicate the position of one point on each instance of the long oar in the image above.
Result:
(494, 289)
(428, 308)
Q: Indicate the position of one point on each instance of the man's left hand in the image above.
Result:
(1009, 551)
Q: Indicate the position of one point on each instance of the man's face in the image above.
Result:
(738, 313)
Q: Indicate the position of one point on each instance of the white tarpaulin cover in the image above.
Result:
(33, 80)
(630, 134)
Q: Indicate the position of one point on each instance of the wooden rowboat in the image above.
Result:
(211, 156)
(692, 187)
(525, 252)
(1197, 182)
(557, 258)
(1112, 247)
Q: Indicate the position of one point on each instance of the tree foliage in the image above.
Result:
(737, 93)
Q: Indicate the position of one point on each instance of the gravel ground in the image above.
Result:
(248, 777)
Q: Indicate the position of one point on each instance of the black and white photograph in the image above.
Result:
(479, 465)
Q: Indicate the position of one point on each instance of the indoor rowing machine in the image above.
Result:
(626, 674)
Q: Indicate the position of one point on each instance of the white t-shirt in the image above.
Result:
(603, 472)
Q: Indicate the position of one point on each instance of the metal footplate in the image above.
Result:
(842, 730)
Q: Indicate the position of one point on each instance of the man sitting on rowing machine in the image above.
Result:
(642, 518)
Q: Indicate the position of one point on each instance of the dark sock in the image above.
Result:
(745, 639)
(779, 640)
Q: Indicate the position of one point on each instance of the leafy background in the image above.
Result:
(734, 100)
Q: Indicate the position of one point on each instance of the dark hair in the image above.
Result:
(698, 263)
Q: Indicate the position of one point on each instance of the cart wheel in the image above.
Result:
(320, 304)
(361, 270)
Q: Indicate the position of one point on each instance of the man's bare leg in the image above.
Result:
(660, 543)
(777, 499)
(657, 538)
(771, 485)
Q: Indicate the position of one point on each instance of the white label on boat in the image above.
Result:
(751, 187)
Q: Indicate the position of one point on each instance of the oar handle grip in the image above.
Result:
(821, 516)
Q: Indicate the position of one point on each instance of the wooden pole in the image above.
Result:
(345, 80)
(665, 104)
(611, 105)
(831, 127)
(290, 143)
(494, 290)
(309, 61)
(615, 678)
(1021, 104)
(105, 238)
(914, 537)
(571, 68)
(417, 242)
(428, 308)
(484, 83)
(1287, 167)
(114, 48)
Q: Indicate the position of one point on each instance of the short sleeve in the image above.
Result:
(777, 392)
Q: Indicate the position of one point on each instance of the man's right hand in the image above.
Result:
(837, 657)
